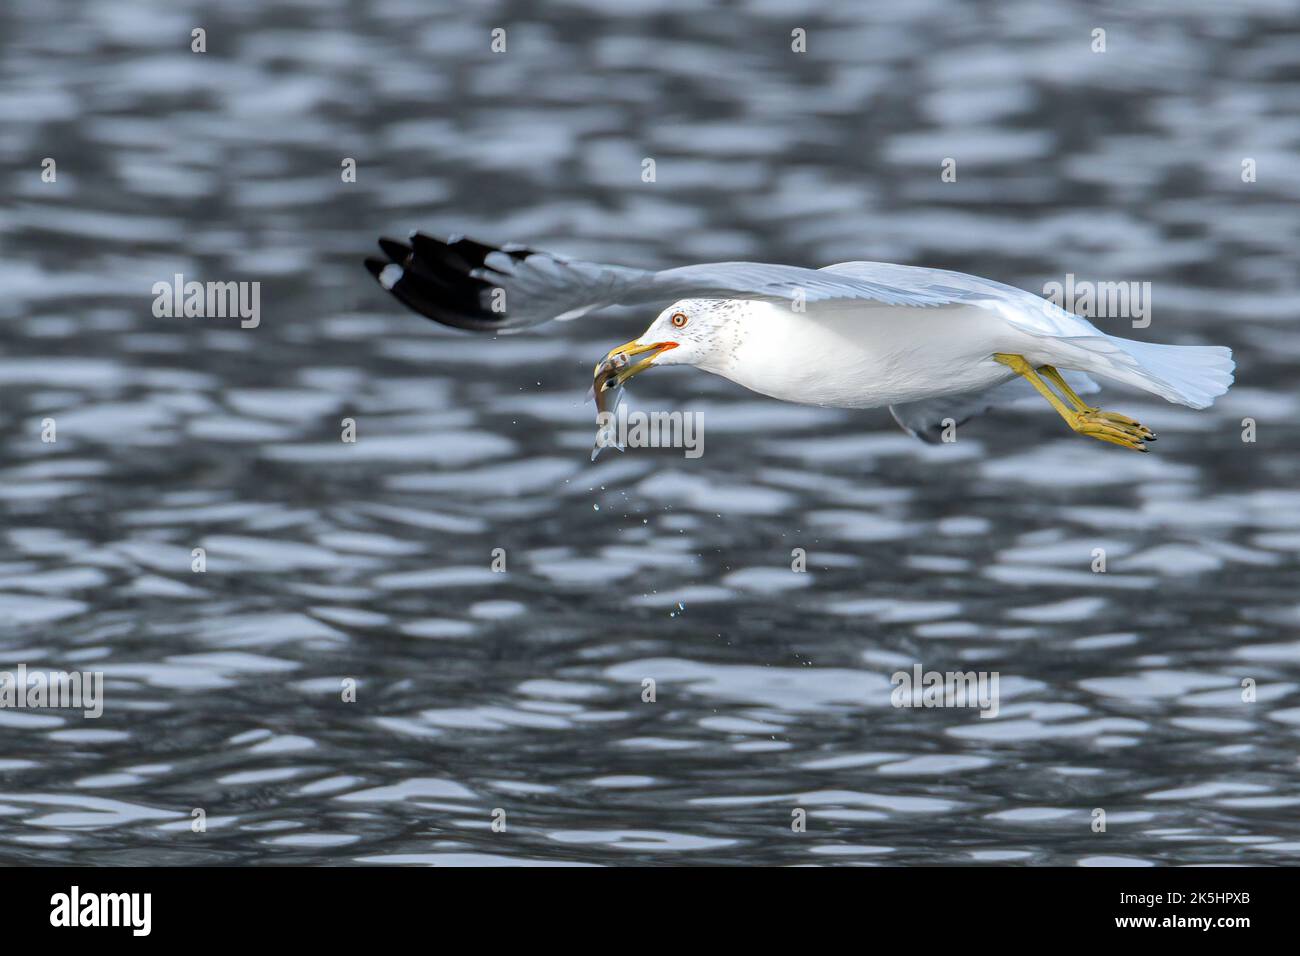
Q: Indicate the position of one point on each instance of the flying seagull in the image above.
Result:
(935, 346)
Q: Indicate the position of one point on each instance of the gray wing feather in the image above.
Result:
(544, 287)
(761, 280)
(1023, 309)
(471, 285)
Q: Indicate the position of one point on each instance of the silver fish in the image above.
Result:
(612, 372)
(607, 391)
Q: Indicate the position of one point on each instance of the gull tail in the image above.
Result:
(1192, 375)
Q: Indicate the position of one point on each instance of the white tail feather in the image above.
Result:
(1192, 375)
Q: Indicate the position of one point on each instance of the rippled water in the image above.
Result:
(330, 562)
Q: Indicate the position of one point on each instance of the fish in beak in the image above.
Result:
(612, 372)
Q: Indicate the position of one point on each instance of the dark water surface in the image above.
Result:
(522, 691)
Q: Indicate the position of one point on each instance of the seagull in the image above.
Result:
(937, 347)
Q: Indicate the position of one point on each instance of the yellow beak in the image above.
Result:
(617, 367)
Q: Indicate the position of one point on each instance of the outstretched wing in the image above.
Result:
(470, 285)
(1023, 309)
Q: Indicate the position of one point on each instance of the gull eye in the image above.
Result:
(679, 320)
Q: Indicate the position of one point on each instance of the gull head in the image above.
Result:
(685, 333)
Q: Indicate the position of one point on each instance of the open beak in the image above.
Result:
(617, 367)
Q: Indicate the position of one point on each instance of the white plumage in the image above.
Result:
(929, 343)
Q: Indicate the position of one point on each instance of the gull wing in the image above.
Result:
(471, 285)
(1026, 311)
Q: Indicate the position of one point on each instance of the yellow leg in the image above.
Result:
(1112, 418)
(1082, 418)
(1059, 381)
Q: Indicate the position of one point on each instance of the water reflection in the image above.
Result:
(349, 680)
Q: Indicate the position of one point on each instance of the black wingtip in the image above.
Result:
(395, 250)
(434, 280)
